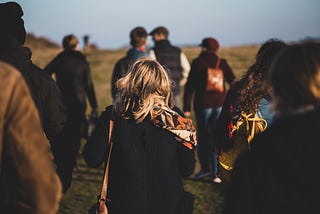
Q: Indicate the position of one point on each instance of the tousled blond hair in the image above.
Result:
(144, 91)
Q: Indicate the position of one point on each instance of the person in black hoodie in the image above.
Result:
(73, 77)
(44, 91)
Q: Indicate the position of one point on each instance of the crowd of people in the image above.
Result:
(155, 142)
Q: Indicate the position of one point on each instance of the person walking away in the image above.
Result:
(43, 89)
(173, 59)
(250, 95)
(28, 181)
(153, 145)
(138, 41)
(206, 103)
(73, 77)
(277, 174)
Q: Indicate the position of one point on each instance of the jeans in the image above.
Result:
(206, 119)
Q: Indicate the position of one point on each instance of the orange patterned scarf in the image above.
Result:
(181, 127)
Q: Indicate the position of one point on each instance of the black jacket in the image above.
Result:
(169, 57)
(44, 90)
(145, 168)
(279, 174)
(74, 80)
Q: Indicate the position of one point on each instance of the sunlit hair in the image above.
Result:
(254, 85)
(70, 42)
(295, 77)
(144, 91)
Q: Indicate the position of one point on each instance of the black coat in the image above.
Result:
(280, 172)
(44, 90)
(145, 168)
(73, 77)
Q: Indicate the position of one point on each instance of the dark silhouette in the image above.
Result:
(74, 80)
(138, 41)
(278, 173)
(150, 152)
(172, 58)
(44, 90)
(28, 182)
(206, 104)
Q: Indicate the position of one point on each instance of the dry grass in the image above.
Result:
(87, 181)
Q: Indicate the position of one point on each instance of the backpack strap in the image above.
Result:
(218, 63)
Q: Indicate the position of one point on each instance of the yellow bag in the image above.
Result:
(246, 127)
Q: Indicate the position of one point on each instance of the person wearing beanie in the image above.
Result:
(206, 104)
(138, 42)
(44, 90)
(172, 58)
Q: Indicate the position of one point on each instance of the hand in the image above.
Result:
(187, 113)
(94, 112)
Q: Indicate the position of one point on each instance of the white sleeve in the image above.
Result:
(185, 68)
(152, 54)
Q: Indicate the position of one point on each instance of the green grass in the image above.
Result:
(87, 181)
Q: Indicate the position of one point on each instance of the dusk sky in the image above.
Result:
(232, 22)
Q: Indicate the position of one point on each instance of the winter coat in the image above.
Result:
(28, 182)
(44, 90)
(122, 66)
(145, 168)
(197, 79)
(279, 173)
(73, 77)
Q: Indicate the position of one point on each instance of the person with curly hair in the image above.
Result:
(277, 175)
(251, 94)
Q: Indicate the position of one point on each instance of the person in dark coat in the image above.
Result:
(44, 90)
(153, 145)
(278, 174)
(73, 77)
(173, 59)
(206, 104)
(28, 181)
(138, 41)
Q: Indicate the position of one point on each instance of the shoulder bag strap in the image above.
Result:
(218, 63)
(103, 195)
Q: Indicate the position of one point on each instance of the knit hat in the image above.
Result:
(11, 23)
(210, 43)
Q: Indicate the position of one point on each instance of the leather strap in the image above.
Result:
(103, 195)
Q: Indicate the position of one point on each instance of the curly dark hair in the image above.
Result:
(254, 84)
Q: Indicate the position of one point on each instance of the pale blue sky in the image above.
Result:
(232, 22)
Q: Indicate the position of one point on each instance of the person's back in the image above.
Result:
(277, 175)
(28, 182)
(249, 96)
(138, 41)
(44, 91)
(73, 77)
(153, 145)
(172, 58)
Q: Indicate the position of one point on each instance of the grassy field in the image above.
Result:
(87, 181)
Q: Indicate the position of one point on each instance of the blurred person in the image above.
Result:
(73, 77)
(206, 104)
(251, 94)
(44, 90)
(173, 59)
(278, 173)
(153, 145)
(28, 182)
(138, 41)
